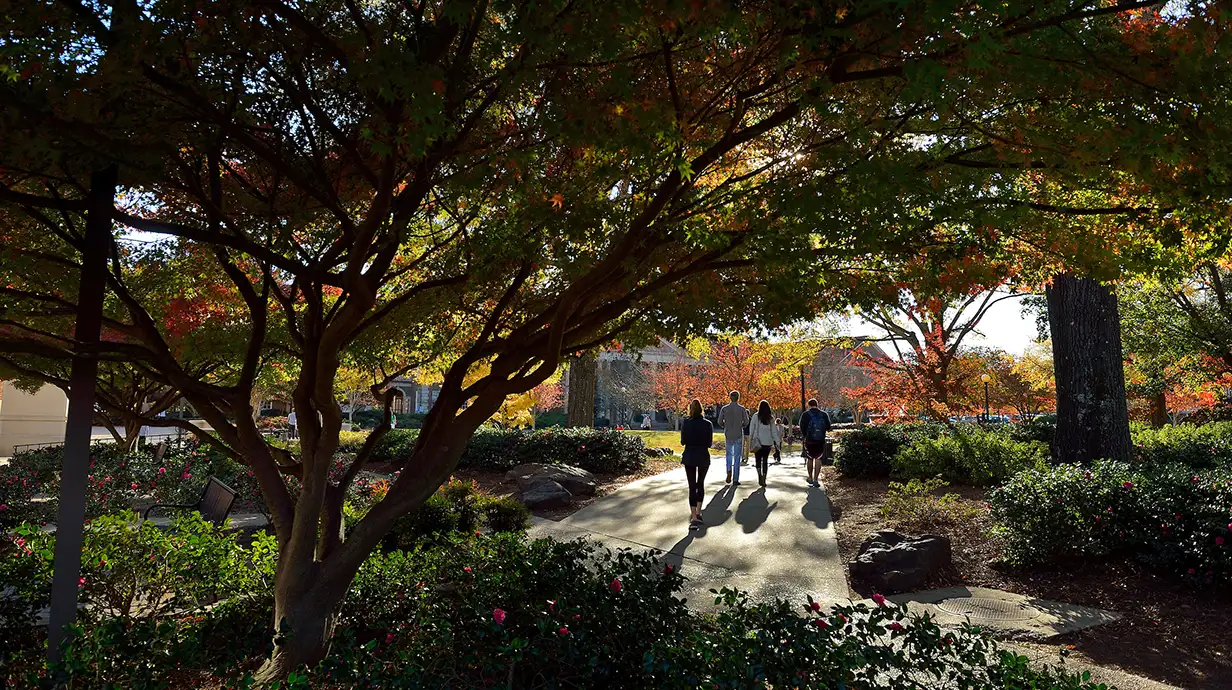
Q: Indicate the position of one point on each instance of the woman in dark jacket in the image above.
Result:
(696, 435)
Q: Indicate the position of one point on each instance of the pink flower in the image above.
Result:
(616, 586)
(820, 623)
(879, 599)
(842, 617)
(81, 582)
(389, 638)
(1195, 479)
(816, 606)
(499, 616)
(1219, 541)
(563, 631)
(162, 470)
(895, 627)
(467, 569)
(667, 568)
(1191, 571)
(577, 616)
(551, 606)
(1128, 485)
(4, 506)
(21, 543)
(135, 486)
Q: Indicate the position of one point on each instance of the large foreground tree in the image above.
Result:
(488, 188)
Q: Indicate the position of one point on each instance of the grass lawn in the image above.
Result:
(660, 439)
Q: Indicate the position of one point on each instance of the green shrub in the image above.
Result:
(1042, 429)
(866, 451)
(1196, 446)
(505, 514)
(915, 505)
(457, 507)
(503, 611)
(604, 451)
(395, 446)
(1171, 517)
(970, 456)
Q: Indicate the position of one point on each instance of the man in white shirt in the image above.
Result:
(291, 423)
(733, 417)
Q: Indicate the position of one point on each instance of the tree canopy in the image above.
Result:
(489, 187)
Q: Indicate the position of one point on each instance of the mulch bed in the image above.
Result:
(1171, 632)
(495, 483)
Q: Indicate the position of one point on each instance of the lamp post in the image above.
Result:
(985, 378)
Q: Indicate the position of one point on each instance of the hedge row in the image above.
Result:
(964, 454)
(1171, 517)
(502, 611)
(604, 451)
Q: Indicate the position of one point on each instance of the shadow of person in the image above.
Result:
(816, 508)
(753, 511)
(718, 510)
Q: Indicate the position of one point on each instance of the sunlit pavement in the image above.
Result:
(772, 542)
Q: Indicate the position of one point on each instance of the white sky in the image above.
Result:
(1003, 327)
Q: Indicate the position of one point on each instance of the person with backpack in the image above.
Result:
(763, 437)
(696, 435)
(814, 424)
(733, 418)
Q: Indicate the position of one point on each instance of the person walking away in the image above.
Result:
(733, 418)
(696, 435)
(293, 429)
(778, 447)
(814, 424)
(763, 437)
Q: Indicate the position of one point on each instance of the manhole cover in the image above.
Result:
(988, 609)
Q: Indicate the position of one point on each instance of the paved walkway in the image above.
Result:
(772, 542)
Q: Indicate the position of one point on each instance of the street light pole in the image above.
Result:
(985, 378)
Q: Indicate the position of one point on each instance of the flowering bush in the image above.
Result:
(1172, 517)
(503, 611)
(968, 456)
(458, 506)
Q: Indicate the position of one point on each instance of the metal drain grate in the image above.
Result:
(988, 609)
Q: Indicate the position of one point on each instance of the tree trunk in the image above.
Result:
(305, 623)
(132, 434)
(583, 373)
(1092, 413)
(1159, 410)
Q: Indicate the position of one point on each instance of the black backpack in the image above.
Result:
(818, 423)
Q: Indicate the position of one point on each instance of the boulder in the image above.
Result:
(575, 480)
(895, 562)
(654, 452)
(541, 492)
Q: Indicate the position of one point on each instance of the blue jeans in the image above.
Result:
(735, 453)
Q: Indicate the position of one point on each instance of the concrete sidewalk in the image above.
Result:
(772, 542)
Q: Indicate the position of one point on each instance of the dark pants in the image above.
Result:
(697, 481)
(761, 458)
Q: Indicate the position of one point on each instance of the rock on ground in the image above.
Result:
(542, 492)
(576, 481)
(895, 562)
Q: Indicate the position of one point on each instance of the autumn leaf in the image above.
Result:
(558, 201)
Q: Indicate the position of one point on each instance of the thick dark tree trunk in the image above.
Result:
(583, 373)
(1092, 413)
(305, 621)
(1159, 410)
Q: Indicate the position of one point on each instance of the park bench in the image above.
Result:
(215, 504)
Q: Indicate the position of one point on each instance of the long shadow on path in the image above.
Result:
(753, 511)
(816, 508)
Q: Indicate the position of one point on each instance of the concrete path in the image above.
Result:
(772, 542)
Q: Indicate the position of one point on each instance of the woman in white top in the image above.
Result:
(763, 437)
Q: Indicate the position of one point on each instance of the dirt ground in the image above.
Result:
(1171, 632)
(496, 483)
